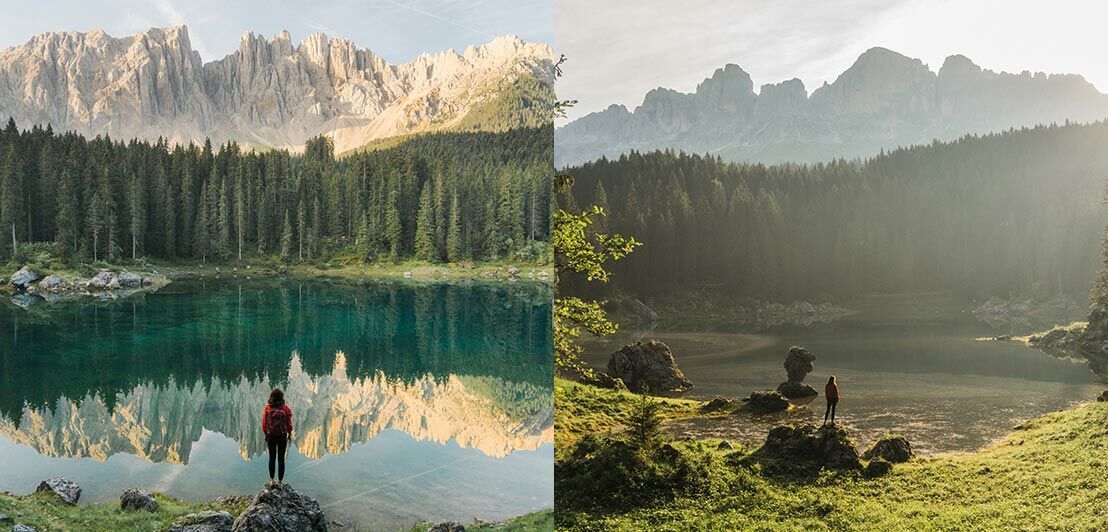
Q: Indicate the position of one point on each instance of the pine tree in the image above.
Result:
(425, 226)
(286, 238)
(454, 252)
(66, 227)
(202, 246)
(9, 202)
(138, 214)
(240, 207)
(301, 226)
(393, 228)
(223, 235)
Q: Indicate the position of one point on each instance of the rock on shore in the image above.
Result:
(648, 366)
(279, 507)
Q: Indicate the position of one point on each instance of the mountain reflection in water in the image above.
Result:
(332, 412)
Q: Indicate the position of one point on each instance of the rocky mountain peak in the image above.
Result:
(883, 100)
(269, 92)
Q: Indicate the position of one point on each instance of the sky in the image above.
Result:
(397, 30)
(618, 50)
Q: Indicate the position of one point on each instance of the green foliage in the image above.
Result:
(105, 200)
(1046, 475)
(46, 512)
(581, 251)
(644, 427)
(995, 214)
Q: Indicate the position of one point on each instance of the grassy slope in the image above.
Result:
(46, 512)
(585, 409)
(1048, 474)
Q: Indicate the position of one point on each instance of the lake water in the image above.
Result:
(411, 402)
(905, 364)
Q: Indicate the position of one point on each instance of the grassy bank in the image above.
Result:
(263, 267)
(47, 512)
(1048, 474)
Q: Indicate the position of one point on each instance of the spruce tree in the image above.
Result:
(425, 226)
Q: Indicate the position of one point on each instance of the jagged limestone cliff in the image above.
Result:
(270, 92)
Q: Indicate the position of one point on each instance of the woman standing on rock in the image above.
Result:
(277, 426)
(831, 392)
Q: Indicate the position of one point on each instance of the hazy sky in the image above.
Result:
(398, 30)
(620, 49)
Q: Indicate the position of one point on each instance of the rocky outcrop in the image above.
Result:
(136, 499)
(806, 446)
(279, 507)
(893, 449)
(66, 490)
(798, 364)
(270, 92)
(648, 367)
(24, 278)
(884, 100)
(768, 401)
(206, 521)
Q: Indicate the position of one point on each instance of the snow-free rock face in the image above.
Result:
(279, 507)
(884, 100)
(270, 92)
(66, 490)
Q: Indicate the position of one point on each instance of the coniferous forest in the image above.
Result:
(1010, 213)
(442, 197)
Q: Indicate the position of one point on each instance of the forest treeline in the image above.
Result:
(440, 197)
(1017, 212)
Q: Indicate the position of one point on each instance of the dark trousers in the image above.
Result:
(830, 410)
(277, 446)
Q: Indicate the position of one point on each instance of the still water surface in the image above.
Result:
(411, 402)
(910, 365)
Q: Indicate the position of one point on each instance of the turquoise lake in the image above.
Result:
(411, 401)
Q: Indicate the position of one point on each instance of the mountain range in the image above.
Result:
(883, 101)
(270, 92)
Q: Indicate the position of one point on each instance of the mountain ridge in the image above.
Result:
(882, 101)
(268, 92)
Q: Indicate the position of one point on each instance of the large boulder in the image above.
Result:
(806, 446)
(1103, 397)
(768, 400)
(24, 278)
(798, 364)
(135, 499)
(796, 390)
(129, 280)
(279, 507)
(648, 366)
(894, 449)
(66, 490)
(206, 521)
(103, 280)
(51, 283)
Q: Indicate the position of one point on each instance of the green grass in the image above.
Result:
(1048, 474)
(47, 512)
(583, 409)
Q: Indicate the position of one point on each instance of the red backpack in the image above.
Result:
(277, 421)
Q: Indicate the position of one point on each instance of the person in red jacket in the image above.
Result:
(277, 427)
(831, 393)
